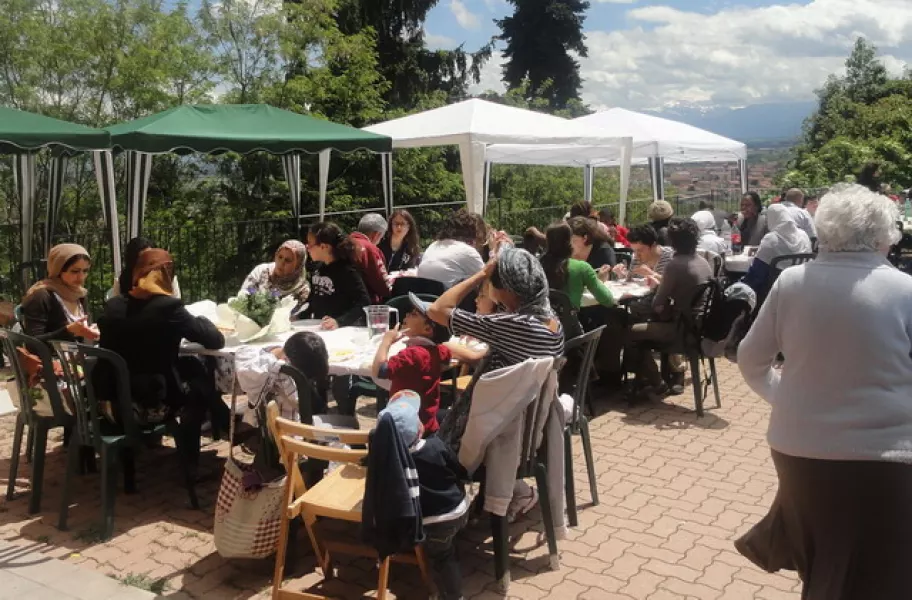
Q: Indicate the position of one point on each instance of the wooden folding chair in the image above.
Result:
(339, 495)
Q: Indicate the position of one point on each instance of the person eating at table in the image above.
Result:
(525, 328)
(419, 365)
(675, 295)
(568, 274)
(783, 239)
(338, 294)
(454, 256)
(591, 244)
(368, 258)
(401, 246)
(709, 240)
(146, 328)
(617, 232)
(285, 276)
(752, 221)
(649, 257)
(124, 281)
(55, 308)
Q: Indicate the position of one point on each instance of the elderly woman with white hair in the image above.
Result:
(840, 430)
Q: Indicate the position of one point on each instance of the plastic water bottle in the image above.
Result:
(727, 235)
(907, 209)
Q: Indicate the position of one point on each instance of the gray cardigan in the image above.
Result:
(844, 324)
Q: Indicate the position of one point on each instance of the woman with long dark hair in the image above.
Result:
(591, 243)
(568, 274)
(337, 294)
(401, 246)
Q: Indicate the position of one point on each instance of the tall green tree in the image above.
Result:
(541, 38)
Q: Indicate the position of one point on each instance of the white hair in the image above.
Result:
(851, 218)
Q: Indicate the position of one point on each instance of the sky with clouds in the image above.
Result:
(651, 54)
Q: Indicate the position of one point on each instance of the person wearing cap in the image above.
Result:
(659, 214)
(444, 509)
(420, 364)
(55, 308)
(369, 259)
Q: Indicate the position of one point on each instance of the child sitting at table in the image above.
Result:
(444, 509)
(419, 365)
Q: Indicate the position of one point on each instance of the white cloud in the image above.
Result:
(437, 42)
(466, 18)
(491, 74)
(737, 56)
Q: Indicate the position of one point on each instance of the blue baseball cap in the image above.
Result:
(441, 333)
(403, 408)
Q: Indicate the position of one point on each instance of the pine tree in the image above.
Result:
(541, 37)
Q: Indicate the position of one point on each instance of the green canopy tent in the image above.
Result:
(23, 134)
(242, 128)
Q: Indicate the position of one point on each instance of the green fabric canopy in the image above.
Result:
(243, 128)
(22, 131)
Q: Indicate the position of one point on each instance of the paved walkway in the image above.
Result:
(675, 492)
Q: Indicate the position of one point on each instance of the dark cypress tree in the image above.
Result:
(540, 36)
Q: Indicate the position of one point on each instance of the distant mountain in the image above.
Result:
(757, 122)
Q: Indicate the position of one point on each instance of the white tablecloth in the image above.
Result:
(739, 263)
(618, 289)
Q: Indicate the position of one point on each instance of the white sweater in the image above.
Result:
(844, 324)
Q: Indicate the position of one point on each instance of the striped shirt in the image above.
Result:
(664, 258)
(512, 338)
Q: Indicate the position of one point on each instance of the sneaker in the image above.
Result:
(676, 383)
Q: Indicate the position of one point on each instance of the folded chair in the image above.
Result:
(114, 442)
(339, 496)
(578, 424)
(39, 423)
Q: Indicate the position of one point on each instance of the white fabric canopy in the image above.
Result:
(475, 124)
(652, 138)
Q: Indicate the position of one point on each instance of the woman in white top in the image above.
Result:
(709, 240)
(840, 430)
(453, 257)
(784, 238)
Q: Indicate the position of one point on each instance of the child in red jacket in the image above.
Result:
(420, 364)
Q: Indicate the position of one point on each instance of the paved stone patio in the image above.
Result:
(675, 492)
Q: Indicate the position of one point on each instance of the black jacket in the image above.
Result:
(399, 260)
(391, 511)
(440, 477)
(601, 254)
(337, 291)
(44, 318)
(147, 334)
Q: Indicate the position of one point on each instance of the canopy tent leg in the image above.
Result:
(487, 187)
(472, 159)
(291, 167)
(324, 180)
(56, 178)
(389, 181)
(588, 174)
(139, 171)
(26, 185)
(657, 176)
(384, 183)
(626, 157)
(742, 169)
(104, 174)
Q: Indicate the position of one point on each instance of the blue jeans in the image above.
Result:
(441, 554)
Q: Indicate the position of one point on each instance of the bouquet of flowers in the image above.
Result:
(256, 305)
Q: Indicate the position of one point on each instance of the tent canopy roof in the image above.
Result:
(652, 137)
(20, 131)
(477, 120)
(243, 128)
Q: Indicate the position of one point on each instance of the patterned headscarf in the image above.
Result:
(57, 258)
(522, 274)
(296, 281)
(153, 274)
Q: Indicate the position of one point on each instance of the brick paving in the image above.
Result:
(675, 492)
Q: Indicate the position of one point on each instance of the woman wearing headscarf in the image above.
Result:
(841, 408)
(55, 308)
(783, 238)
(146, 327)
(124, 281)
(709, 240)
(659, 214)
(285, 276)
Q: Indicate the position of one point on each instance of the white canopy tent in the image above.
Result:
(474, 125)
(656, 141)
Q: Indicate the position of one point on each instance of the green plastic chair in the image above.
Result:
(113, 442)
(38, 425)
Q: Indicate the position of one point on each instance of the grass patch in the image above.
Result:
(143, 582)
(190, 535)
